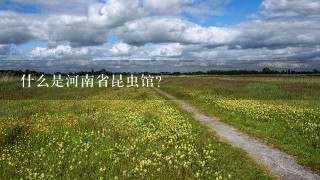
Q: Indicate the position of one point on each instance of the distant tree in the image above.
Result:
(103, 71)
(266, 71)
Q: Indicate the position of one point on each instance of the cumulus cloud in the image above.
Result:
(66, 52)
(166, 6)
(76, 30)
(61, 52)
(156, 66)
(284, 53)
(285, 29)
(170, 29)
(14, 29)
(121, 49)
(272, 34)
(17, 29)
(93, 28)
(290, 8)
(169, 50)
(89, 29)
(196, 8)
(283, 65)
(115, 12)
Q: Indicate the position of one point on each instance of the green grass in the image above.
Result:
(110, 133)
(282, 111)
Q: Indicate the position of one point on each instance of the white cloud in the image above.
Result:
(14, 29)
(121, 49)
(277, 33)
(87, 29)
(61, 52)
(174, 51)
(289, 8)
(289, 29)
(224, 53)
(166, 6)
(196, 8)
(77, 30)
(283, 65)
(168, 29)
(169, 50)
(114, 12)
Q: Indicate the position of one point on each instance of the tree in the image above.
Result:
(266, 71)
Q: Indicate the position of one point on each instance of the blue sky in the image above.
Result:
(162, 30)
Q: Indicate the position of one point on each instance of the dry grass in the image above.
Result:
(9, 78)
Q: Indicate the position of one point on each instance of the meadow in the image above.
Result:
(110, 133)
(283, 111)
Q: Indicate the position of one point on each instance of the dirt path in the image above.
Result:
(279, 163)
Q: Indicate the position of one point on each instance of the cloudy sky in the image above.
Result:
(160, 29)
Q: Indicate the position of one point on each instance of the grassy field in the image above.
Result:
(110, 133)
(283, 111)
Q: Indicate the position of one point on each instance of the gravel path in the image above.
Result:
(279, 163)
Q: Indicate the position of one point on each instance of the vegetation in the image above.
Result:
(109, 133)
(283, 111)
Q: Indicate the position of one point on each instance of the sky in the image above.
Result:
(216, 30)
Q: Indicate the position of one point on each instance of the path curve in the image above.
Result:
(279, 163)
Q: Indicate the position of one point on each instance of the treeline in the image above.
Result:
(81, 73)
(247, 72)
(211, 72)
(20, 72)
